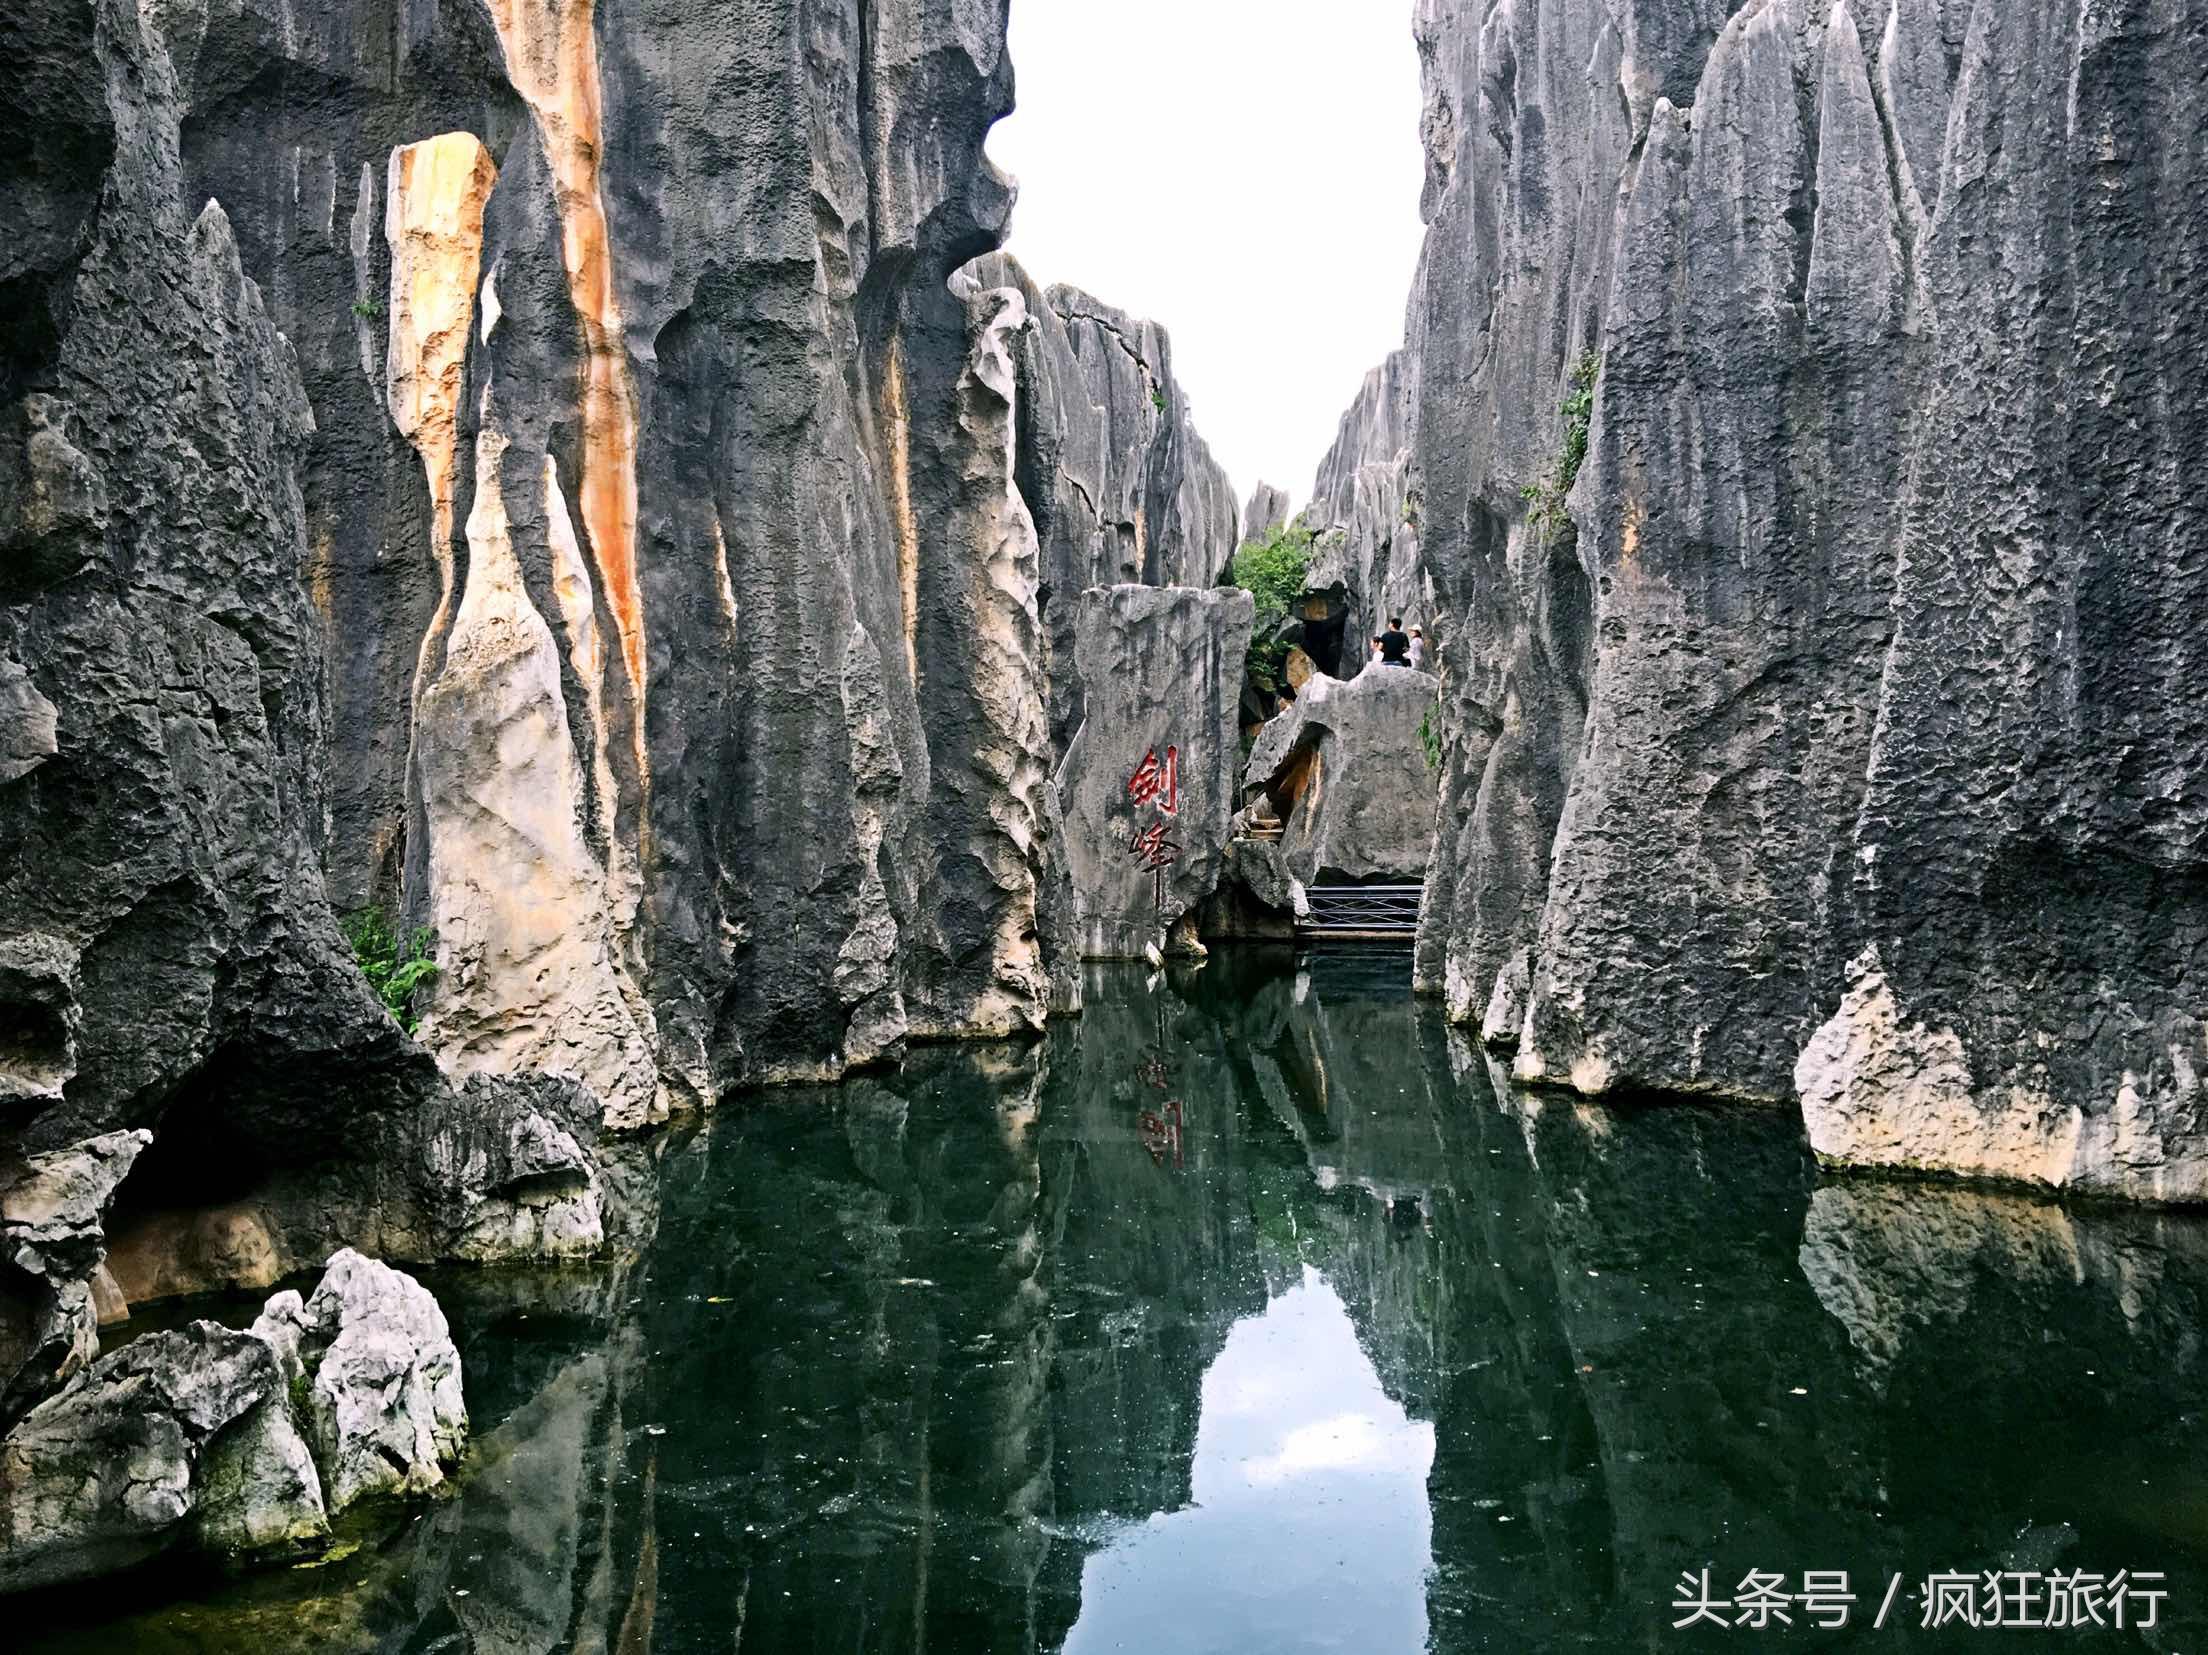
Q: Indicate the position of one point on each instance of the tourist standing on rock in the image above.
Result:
(1395, 644)
(1418, 650)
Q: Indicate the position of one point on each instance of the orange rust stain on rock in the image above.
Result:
(898, 418)
(433, 219)
(552, 61)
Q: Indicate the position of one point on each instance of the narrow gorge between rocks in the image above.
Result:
(703, 944)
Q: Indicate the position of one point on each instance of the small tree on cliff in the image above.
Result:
(1273, 569)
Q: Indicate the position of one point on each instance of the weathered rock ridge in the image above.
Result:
(1828, 740)
(1121, 486)
(1364, 515)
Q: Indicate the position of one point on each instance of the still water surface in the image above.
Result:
(1256, 1312)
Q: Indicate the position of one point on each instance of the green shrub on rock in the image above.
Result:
(396, 966)
(1273, 569)
(1545, 498)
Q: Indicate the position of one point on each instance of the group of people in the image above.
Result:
(1397, 648)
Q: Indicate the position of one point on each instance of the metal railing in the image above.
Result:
(1361, 910)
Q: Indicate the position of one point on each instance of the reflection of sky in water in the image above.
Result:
(1310, 1528)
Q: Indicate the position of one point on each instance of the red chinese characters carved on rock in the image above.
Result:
(1153, 850)
(1160, 782)
(1159, 786)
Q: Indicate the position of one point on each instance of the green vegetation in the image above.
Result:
(369, 308)
(1157, 399)
(396, 966)
(1545, 498)
(1429, 737)
(1273, 569)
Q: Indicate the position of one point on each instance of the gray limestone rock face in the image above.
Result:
(1343, 769)
(27, 727)
(1364, 511)
(52, 1250)
(993, 953)
(1121, 486)
(260, 1494)
(1819, 739)
(169, 838)
(1267, 510)
(1258, 899)
(538, 483)
(639, 504)
(39, 985)
(520, 484)
(1151, 779)
(170, 958)
(53, 499)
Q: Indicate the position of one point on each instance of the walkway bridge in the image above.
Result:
(1361, 913)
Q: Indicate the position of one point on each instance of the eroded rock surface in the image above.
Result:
(1267, 510)
(383, 1404)
(170, 959)
(1364, 513)
(1819, 737)
(1343, 769)
(1150, 783)
(242, 1443)
(1120, 484)
(52, 1251)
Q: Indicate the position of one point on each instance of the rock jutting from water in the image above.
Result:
(1151, 779)
(1798, 401)
(243, 1444)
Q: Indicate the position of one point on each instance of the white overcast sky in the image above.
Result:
(1244, 172)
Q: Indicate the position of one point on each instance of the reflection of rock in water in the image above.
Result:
(1310, 1138)
(1883, 1258)
(2040, 1347)
(904, 1353)
(850, 1345)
